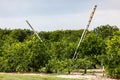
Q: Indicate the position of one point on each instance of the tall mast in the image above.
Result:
(85, 31)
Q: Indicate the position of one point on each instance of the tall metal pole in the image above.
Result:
(85, 31)
(34, 31)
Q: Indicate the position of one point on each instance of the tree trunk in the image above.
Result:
(85, 70)
(94, 66)
(69, 72)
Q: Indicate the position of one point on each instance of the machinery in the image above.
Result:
(34, 31)
(85, 31)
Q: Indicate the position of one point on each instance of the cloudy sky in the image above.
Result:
(49, 15)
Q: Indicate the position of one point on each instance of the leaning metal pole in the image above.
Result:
(85, 31)
(34, 31)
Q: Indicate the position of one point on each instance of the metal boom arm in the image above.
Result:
(34, 31)
(85, 31)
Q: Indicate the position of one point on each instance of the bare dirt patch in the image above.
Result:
(86, 77)
(95, 74)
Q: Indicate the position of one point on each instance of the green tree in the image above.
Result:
(20, 34)
(69, 65)
(54, 65)
(91, 47)
(84, 63)
(113, 56)
(39, 55)
(14, 57)
(104, 31)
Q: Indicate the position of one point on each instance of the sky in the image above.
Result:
(50, 15)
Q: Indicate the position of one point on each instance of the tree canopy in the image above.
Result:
(22, 51)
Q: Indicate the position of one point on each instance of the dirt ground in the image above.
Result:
(86, 77)
(98, 75)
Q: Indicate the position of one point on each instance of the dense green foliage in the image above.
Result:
(105, 30)
(22, 51)
(113, 56)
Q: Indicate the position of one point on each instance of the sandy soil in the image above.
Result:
(95, 76)
(86, 77)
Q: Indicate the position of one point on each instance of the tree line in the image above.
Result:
(22, 51)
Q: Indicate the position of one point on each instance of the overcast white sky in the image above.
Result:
(49, 15)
